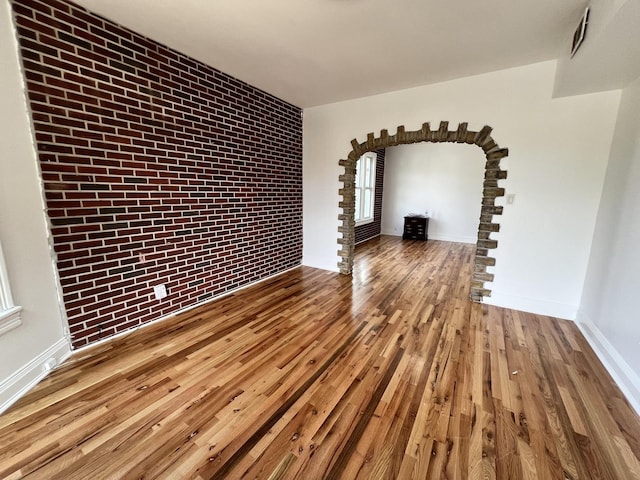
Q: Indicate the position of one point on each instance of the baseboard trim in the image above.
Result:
(533, 305)
(452, 238)
(181, 311)
(321, 266)
(367, 239)
(14, 387)
(627, 380)
(23, 380)
(441, 238)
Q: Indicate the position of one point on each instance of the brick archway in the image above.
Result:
(490, 192)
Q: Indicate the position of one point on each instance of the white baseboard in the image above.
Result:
(14, 387)
(322, 265)
(533, 305)
(452, 238)
(437, 236)
(23, 380)
(625, 377)
(178, 312)
(367, 239)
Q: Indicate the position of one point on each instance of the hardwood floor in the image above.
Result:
(390, 374)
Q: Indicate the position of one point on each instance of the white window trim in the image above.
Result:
(10, 314)
(370, 219)
(364, 222)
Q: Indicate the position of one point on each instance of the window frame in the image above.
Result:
(361, 186)
(10, 313)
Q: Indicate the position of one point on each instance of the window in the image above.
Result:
(365, 188)
(9, 313)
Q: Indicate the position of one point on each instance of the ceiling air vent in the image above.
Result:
(581, 31)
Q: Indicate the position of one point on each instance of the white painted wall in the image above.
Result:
(24, 236)
(559, 150)
(443, 178)
(609, 314)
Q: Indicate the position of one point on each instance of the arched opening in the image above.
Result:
(490, 191)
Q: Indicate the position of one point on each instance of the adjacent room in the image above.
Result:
(319, 240)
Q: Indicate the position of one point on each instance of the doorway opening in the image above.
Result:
(490, 191)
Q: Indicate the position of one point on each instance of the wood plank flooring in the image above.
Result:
(390, 374)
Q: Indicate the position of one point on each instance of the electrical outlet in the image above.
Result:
(160, 291)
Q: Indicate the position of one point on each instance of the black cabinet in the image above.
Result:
(415, 228)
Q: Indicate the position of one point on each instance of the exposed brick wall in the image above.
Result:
(370, 230)
(157, 169)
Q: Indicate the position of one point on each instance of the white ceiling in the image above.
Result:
(313, 52)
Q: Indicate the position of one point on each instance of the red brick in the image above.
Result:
(158, 154)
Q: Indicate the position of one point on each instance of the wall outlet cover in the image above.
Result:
(160, 291)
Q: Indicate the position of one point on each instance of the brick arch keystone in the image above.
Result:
(490, 192)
